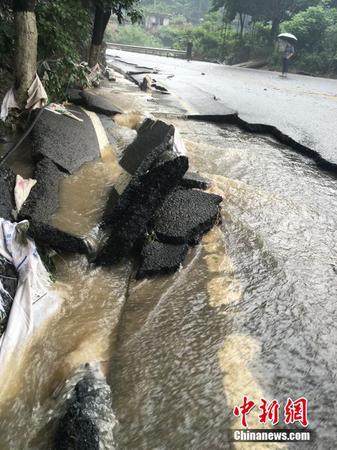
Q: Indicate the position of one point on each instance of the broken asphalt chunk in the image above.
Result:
(185, 216)
(195, 181)
(49, 236)
(7, 185)
(157, 257)
(128, 220)
(98, 104)
(157, 173)
(153, 138)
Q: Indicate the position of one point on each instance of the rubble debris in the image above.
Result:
(138, 203)
(8, 276)
(146, 84)
(157, 257)
(48, 236)
(43, 199)
(7, 186)
(193, 180)
(68, 143)
(110, 74)
(97, 103)
(185, 216)
(88, 422)
(74, 96)
(159, 166)
(77, 430)
(153, 138)
(8, 285)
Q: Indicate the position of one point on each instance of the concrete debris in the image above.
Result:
(7, 186)
(193, 180)
(157, 257)
(44, 199)
(68, 143)
(185, 216)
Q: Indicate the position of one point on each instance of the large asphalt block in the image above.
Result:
(7, 185)
(153, 138)
(93, 102)
(97, 103)
(43, 200)
(186, 215)
(157, 258)
(66, 141)
(48, 236)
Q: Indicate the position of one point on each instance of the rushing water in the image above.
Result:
(251, 313)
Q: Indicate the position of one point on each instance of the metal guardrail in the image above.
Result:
(170, 52)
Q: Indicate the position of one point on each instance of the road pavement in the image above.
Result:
(301, 107)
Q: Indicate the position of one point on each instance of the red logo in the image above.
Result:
(294, 411)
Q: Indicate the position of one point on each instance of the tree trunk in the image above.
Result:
(102, 17)
(276, 19)
(25, 48)
(242, 24)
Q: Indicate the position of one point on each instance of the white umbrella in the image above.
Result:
(287, 36)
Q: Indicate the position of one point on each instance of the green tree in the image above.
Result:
(103, 11)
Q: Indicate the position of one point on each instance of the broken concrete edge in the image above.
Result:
(259, 128)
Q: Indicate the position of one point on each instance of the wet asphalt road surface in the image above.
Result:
(301, 107)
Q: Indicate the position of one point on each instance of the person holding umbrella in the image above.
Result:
(288, 51)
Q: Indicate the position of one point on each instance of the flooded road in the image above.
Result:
(251, 313)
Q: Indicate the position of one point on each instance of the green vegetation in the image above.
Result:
(66, 31)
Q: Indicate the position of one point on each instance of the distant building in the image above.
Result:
(154, 21)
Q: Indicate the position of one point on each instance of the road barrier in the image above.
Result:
(169, 52)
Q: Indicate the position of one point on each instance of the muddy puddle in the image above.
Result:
(251, 313)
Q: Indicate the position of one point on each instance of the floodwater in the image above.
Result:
(253, 311)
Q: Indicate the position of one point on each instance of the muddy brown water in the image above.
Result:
(252, 312)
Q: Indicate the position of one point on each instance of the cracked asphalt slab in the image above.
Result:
(300, 107)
